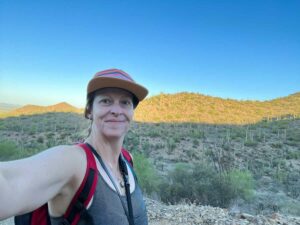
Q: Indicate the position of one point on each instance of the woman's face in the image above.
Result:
(112, 112)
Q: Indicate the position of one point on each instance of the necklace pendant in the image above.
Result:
(121, 182)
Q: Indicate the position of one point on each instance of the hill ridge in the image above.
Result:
(30, 109)
(192, 107)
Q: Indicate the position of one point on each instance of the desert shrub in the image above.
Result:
(282, 124)
(51, 142)
(292, 183)
(195, 133)
(131, 142)
(226, 146)
(293, 155)
(154, 132)
(250, 143)
(195, 143)
(146, 147)
(40, 139)
(242, 183)
(293, 135)
(146, 173)
(202, 184)
(290, 207)
(291, 143)
(209, 185)
(9, 150)
(171, 144)
(178, 186)
(276, 145)
(191, 153)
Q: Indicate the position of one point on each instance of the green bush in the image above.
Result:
(179, 187)
(276, 145)
(291, 207)
(292, 183)
(242, 183)
(40, 139)
(293, 155)
(9, 150)
(171, 144)
(146, 173)
(154, 132)
(250, 143)
(202, 184)
(195, 143)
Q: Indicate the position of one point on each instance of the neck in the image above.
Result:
(109, 150)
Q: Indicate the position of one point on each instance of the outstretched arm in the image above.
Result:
(28, 183)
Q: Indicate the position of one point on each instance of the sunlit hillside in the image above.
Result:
(191, 107)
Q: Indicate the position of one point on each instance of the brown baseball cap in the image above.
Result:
(115, 78)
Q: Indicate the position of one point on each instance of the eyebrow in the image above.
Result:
(107, 95)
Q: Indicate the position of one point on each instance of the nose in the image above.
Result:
(116, 109)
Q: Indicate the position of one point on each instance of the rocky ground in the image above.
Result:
(161, 214)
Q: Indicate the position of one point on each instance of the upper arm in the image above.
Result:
(29, 183)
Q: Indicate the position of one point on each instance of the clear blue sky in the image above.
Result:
(230, 49)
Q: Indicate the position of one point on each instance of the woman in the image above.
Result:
(55, 175)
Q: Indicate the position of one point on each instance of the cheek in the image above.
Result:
(130, 115)
(99, 111)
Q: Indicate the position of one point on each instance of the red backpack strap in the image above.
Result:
(41, 216)
(86, 190)
(127, 156)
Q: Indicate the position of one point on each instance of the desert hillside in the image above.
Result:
(197, 108)
(265, 155)
(240, 157)
(192, 107)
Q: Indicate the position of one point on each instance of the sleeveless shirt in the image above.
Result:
(107, 209)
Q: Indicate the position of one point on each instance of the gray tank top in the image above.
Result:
(107, 209)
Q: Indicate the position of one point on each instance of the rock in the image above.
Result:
(246, 216)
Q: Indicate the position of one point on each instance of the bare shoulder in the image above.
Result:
(68, 151)
(71, 156)
(63, 162)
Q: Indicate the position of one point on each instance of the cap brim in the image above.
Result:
(105, 82)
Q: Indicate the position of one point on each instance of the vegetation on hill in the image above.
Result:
(191, 107)
(254, 166)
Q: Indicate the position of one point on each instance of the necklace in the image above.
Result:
(117, 176)
(121, 182)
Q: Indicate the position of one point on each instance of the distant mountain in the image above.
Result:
(191, 107)
(35, 109)
(6, 107)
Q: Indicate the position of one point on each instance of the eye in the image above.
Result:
(105, 101)
(127, 102)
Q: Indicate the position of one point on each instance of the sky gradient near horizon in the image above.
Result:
(246, 50)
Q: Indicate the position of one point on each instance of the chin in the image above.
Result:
(114, 134)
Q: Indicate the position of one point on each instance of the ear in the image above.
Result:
(88, 112)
